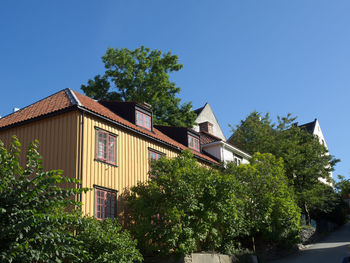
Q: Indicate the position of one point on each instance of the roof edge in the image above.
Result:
(40, 117)
(227, 145)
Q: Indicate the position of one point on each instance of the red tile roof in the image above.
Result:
(53, 103)
(67, 98)
(96, 107)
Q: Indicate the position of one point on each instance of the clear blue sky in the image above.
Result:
(276, 56)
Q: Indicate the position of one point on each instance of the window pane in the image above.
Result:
(193, 143)
(147, 121)
(99, 204)
(196, 141)
(102, 144)
(111, 149)
(190, 141)
(154, 156)
(139, 118)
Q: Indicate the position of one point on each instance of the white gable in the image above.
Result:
(317, 131)
(206, 114)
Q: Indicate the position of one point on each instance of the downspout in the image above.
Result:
(81, 154)
(222, 154)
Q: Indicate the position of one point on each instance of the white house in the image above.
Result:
(213, 140)
(315, 129)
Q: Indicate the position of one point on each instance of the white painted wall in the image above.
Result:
(214, 150)
(317, 131)
(208, 115)
(224, 152)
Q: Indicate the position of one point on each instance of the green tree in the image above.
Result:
(270, 211)
(343, 186)
(305, 159)
(325, 203)
(142, 75)
(186, 207)
(41, 222)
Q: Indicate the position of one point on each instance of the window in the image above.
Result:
(143, 120)
(193, 143)
(154, 156)
(237, 160)
(105, 203)
(105, 147)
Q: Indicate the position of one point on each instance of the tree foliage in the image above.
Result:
(186, 207)
(306, 160)
(270, 210)
(106, 242)
(324, 203)
(343, 186)
(142, 75)
(41, 222)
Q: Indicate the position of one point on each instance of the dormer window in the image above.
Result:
(193, 143)
(143, 120)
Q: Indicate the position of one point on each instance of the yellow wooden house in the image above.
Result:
(106, 145)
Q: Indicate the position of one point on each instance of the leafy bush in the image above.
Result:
(184, 208)
(39, 219)
(106, 242)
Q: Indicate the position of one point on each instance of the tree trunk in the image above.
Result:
(307, 215)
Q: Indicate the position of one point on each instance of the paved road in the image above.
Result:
(332, 249)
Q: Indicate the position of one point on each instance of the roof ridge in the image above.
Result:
(32, 104)
(72, 97)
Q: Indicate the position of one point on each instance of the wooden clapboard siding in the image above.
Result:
(61, 146)
(132, 161)
(58, 137)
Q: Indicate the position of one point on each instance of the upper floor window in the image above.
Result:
(105, 147)
(193, 143)
(143, 120)
(237, 160)
(105, 203)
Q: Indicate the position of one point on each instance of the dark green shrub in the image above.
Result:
(105, 241)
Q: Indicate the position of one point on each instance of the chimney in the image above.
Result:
(206, 127)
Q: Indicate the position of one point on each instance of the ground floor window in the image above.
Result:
(105, 203)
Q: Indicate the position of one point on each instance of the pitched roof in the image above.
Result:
(199, 110)
(208, 138)
(66, 99)
(53, 103)
(310, 126)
